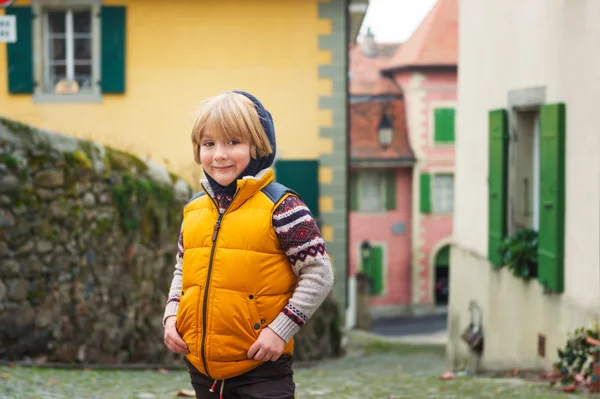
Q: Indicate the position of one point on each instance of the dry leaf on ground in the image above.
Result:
(188, 393)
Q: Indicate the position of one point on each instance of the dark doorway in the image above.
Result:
(442, 276)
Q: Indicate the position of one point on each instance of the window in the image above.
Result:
(443, 120)
(524, 173)
(443, 193)
(67, 50)
(534, 153)
(373, 190)
(437, 193)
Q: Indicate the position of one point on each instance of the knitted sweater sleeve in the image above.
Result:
(176, 283)
(301, 240)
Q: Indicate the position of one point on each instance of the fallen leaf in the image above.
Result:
(188, 393)
(162, 371)
(570, 388)
(6, 375)
(447, 376)
(515, 372)
(53, 380)
(551, 375)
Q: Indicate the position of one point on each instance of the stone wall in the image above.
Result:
(87, 249)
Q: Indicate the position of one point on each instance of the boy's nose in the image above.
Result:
(220, 154)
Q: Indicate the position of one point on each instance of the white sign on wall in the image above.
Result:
(8, 28)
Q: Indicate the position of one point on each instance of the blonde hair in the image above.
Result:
(231, 115)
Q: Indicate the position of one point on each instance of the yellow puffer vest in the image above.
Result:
(236, 278)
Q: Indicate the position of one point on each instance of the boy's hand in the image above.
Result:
(172, 338)
(268, 346)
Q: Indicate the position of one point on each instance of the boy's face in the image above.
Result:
(223, 159)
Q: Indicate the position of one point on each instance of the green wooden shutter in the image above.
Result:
(376, 270)
(497, 182)
(113, 49)
(444, 125)
(20, 54)
(301, 176)
(425, 193)
(354, 191)
(552, 197)
(390, 190)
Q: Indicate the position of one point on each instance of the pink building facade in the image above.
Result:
(409, 233)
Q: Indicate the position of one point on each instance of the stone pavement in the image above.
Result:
(426, 329)
(374, 368)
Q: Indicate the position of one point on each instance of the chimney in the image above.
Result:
(368, 46)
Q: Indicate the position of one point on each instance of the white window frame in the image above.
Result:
(362, 178)
(40, 49)
(434, 175)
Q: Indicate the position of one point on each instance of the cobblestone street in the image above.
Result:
(396, 371)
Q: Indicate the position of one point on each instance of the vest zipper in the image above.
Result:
(208, 275)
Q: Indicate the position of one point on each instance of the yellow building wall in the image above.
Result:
(182, 51)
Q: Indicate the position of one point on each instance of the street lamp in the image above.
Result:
(365, 254)
(386, 132)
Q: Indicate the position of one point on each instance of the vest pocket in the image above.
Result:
(255, 319)
(189, 317)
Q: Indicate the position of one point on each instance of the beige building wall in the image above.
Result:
(506, 47)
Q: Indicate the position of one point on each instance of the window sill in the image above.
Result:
(440, 213)
(47, 98)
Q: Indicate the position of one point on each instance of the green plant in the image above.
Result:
(519, 253)
(144, 205)
(576, 358)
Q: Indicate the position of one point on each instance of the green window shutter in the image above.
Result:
(302, 176)
(552, 197)
(390, 190)
(20, 54)
(376, 270)
(497, 182)
(425, 193)
(444, 125)
(354, 191)
(113, 49)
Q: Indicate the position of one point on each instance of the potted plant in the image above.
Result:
(519, 253)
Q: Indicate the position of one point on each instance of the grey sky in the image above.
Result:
(395, 20)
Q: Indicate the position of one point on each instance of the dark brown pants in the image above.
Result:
(270, 380)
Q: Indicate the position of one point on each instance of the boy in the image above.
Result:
(251, 267)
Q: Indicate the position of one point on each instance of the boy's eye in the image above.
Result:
(207, 144)
(233, 142)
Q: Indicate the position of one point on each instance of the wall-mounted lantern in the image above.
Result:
(386, 131)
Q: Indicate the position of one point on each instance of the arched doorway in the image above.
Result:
(442, 276)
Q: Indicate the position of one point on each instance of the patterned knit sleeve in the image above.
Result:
(176, 283)
(301, 240)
